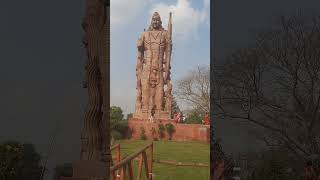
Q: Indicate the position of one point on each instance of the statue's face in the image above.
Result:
(156, 22)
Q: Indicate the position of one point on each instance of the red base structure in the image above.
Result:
(183, 132)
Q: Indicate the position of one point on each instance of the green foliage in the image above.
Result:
(64, 170)
(195, 117)
(116, 113)
(170, 130)
(142, 133)
(118, 125)
(130, 115)
(161, 131)
(19, 161)
(174, 107)
(154, 134)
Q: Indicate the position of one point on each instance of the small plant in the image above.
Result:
(154, 134)
(142, 133)
(170, 130)
(161, 131)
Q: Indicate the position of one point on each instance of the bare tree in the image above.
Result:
(194, 89)
(275, 85)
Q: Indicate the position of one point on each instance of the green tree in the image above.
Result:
(19, 161)
(195, 117)
(116, 113)
(130, 115)
(118, 125)
(174, 107)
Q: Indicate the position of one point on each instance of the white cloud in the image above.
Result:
(205, 14)
(122, 12)
(185, 19)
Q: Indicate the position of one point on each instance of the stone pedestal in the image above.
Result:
(184, 132)
(144, 114)
(163, 115)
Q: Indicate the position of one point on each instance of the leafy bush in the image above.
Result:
(174, 107)
(170, 130)
(154, 134)
(19, 161)
(118, 125)
(194, 117)
(142, 133)
(161, 131)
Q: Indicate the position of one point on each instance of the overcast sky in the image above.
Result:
(191, 41)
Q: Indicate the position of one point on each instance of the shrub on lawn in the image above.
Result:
(161, 131)
(170, 130)
(154, 134)
(142, 133)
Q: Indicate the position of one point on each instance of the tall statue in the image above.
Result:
(153, 70)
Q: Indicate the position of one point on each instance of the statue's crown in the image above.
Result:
(156, 15)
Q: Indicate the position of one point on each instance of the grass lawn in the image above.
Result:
(185, 152)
